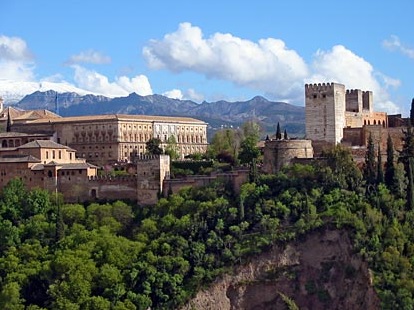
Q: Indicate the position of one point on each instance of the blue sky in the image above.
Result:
(212, 50)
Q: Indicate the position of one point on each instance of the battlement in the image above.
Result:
(110, 178)
(353, 92)
(320, 87)
(146, 157)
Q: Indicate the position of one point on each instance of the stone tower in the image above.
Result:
(151, 172)
(325, 106)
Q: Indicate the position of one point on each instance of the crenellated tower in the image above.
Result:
(325, 111)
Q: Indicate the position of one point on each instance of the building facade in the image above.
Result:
(330, 108)
(103, 139)
(44, 164)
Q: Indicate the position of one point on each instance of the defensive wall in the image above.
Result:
(278, 153)
(144, 188)
(235, 177)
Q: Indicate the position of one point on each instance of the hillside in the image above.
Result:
(315, 271)
(218, 114)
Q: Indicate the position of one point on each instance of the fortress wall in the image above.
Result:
(278, 153)
(353, 137)
(236, 177)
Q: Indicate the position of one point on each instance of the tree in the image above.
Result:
(343, 171)
(172, 148)
(370, 168)
(153, 146)
(13, 200)
(390, 165)
(285, 135)
(225, 141)
(408, 145)
(380, 171)
(412, 113)
(410, 186)
(248, 151)
(278, 132)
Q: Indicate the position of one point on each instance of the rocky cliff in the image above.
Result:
(319, 272)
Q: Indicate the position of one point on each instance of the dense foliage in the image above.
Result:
(117, 256)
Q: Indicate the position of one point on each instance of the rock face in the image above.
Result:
(319, 272)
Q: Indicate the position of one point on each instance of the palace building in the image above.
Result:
(103, 139)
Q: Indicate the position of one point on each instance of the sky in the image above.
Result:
(212, 50)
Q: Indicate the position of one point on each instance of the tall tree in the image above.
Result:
(9, 121)
(278, 132)
(380, 171)
(225, 141)
(410, 186)
(408, 147)
(412, 113)
(370, 168)
(285, 135)
(390, 165)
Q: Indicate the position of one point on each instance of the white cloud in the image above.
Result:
(122, 86)
(173, 94)
(268, 65)
(16, 60)
(191, 94)
(394, 43)
(89, 56)
(343, 66)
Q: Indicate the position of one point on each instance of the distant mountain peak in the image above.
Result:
(217, 114)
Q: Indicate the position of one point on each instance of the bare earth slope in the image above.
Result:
(319, 272)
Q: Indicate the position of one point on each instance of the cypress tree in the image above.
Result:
(370, 165)
(410, 186)
(9, 121)
(389, 177)
(285, 136)
(412, 113)
(278, 132)
(380, 171)
(408, 146)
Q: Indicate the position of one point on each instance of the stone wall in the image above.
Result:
(236, 178)
(278, 153)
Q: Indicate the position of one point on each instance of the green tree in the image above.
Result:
(13, 200)
(408, 145)
(370, 166)
(389, 176)
(153, 146)
(340, 169)
(172, 148)
(225, 141)
(380, 171)
(248, 151)
(251, 130)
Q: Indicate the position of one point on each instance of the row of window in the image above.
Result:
(375, 122)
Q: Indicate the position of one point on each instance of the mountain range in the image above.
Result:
(219, 114)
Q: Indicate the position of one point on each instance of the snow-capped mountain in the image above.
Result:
(13, 91)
